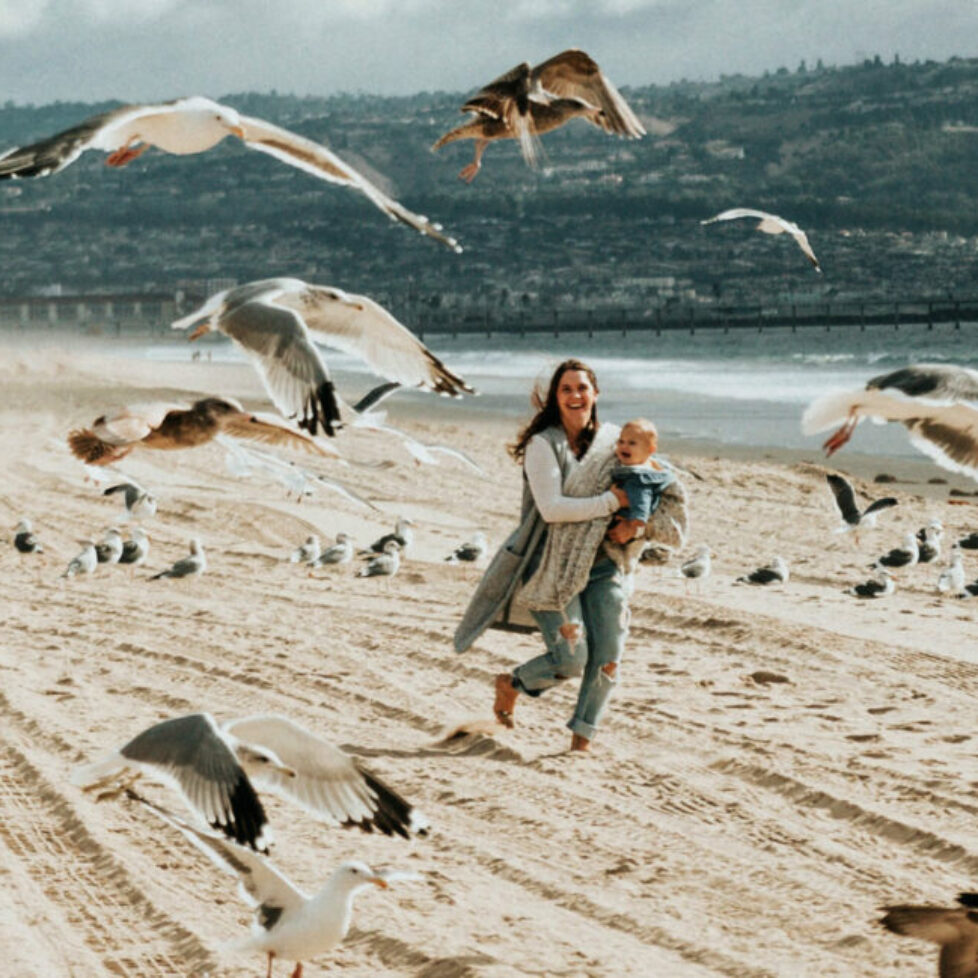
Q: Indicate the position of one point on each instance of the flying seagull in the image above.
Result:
(287, 923)
(173, 426)
(196, 124)
(193, 565)
(527, 101)
(955, 929)
(278, 323)
(936, 402)
(771, 224)
(845, 498)
(140, 504)
(774, 573)
(217, 768)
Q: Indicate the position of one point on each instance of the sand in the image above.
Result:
(775, 765)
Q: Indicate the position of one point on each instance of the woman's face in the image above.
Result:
(575, 398)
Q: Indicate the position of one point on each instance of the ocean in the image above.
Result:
(742, 388)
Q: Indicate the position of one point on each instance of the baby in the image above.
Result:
(643, 479)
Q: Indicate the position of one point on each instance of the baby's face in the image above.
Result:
(633, 446)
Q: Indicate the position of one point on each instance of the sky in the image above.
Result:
(144, 50)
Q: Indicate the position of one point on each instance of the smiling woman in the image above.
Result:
(562, 444)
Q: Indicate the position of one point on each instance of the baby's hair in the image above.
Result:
(644, 427)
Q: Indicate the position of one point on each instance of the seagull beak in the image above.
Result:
(379, 881)
(239, 132)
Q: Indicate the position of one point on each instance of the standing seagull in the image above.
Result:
(308, 552)
(878, 587)
(110, 549)
(929, 542)
(140, 504)
(698, 567)
(935, 402)
(172, 426)
(216, 769)
(771, 224)
(955, 929)
(385, 564)
(951, 579)
(194, 125)
(190, 566)
(528, 101)
(905, 556)
(774, 573)
(278, 322)
(403, 536)
(85, 562)
(853, 517)
(287, 923)
(136, 549)
(24, 539)
(970, 542)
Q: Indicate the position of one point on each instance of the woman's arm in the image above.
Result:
(543, 473)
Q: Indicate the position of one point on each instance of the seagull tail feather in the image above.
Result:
(826, 411)
(88, 447)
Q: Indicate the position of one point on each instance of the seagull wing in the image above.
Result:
(879, 504)
(262, 885)
(56, 152)
(375, 395)
(845, 498)
(269, 431)
(937, 382)
(737, 212)
(294, 373)
(316, 159)
(574, 74)
(367, 330)
(949, 435)
(956, 930)
(498, 99)
(193, 754)
(328, 783)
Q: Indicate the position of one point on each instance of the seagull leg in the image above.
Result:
(469, 172)
(298, 970)
(126, 154)
(836, 440)
(271, 957)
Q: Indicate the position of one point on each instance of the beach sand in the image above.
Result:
(774, 766)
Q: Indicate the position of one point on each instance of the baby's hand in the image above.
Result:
(625, 530)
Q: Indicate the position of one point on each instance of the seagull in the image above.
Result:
(423, 453)
(191, 566)
(278, 322)
(936, 403)
(527, 101)
(929, 542)
(470, 551)
(172, 426)
(970, 590)
(774, 573)
(951, 579)
(771, 224)
(287, 923)
(140, 504)
(658, 554)
(24, 539)
(970, 542)
(878, 587)
(136, 549)
(403, 536)
(698, 567)
(84, 563)
(845, 499)
(385, 564)
(110, 549)
(196, 124)
(217, 768)
(905, 556)
(308, 552)
(340, 553)
(955, 929)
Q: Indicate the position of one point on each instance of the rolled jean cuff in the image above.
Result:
(580, 727)
(518, 684)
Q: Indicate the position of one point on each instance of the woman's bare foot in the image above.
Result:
(580, 743)
(505, 703)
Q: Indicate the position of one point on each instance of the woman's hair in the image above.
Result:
(548, 412)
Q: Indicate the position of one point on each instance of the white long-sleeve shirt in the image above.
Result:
(546, 484)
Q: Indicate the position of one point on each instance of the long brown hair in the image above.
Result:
(548, 412)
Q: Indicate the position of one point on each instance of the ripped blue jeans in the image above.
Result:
(602, 609)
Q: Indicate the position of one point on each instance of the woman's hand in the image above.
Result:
(625, 530)
(620, 495)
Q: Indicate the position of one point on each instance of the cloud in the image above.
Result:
(19, 17)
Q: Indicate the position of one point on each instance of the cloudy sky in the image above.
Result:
(153, 49)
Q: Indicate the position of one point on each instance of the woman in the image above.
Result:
(562, 437)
